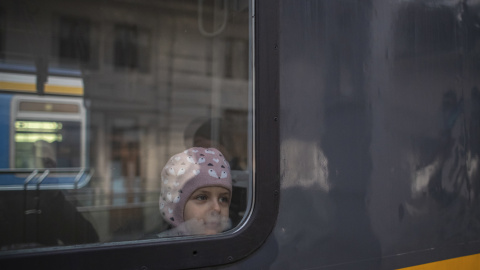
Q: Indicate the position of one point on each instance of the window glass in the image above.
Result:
(123, 120)
(47, 144)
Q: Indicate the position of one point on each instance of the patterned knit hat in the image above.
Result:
(186, 172)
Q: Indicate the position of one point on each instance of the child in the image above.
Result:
(196, 191)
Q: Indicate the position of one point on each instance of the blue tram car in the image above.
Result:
(43, 140)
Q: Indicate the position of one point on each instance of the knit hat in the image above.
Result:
(186, 172)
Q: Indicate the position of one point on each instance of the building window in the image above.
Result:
(131, 47)
(2, 33)
(74, 39)
(236, 58)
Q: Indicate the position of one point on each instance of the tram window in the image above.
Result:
(171, 75)
(47, 144)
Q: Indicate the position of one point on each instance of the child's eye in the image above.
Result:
(224, 199)
(201, 197)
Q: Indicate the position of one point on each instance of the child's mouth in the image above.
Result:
(212, 224)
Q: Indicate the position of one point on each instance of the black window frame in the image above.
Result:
(197, 252)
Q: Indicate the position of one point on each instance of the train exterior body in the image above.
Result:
(358, 124)
(379, 128)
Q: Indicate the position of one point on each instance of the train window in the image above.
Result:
(125, 121)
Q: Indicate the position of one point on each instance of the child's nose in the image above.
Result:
(216, 206)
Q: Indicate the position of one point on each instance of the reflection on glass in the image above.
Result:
(110, 92)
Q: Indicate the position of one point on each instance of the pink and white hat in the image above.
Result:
(186, 172)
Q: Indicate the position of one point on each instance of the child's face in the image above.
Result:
(207, 210)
